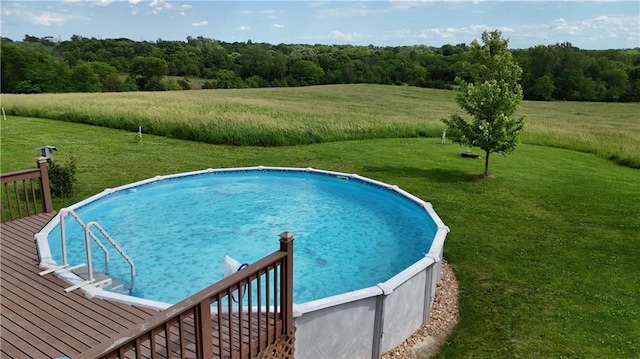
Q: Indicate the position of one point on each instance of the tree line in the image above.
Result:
(553, 72)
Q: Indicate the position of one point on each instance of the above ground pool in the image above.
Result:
(355, 238)
(350, 234)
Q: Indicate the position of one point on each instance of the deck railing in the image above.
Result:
(237, 317)
(25, 193)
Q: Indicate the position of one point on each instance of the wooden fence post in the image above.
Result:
(204, 334)
(286, 244)
(47, 206)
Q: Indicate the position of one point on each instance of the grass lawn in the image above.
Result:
(546, 253)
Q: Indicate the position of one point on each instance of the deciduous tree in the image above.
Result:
(150, 69)
(491, 100)
(84, 79)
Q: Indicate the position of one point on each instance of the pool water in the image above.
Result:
(349, 234)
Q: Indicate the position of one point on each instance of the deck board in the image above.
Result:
(35, 310)
(39, 320)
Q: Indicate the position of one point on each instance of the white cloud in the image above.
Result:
(462, 34)
(160, 5)
(10, 10)
(184, 8)
(157, 7)
(598, 28)
(277, 26)
(410, 4)
(50, 18)
(403, 4)
(356, 9)
(201, 23)
(102, 2)
(262, 12)
(317, 3)
(38, 17)
(90, 2)
(339, 35)
(244, 28)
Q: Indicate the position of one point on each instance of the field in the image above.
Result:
(292, 116)
(546, 252)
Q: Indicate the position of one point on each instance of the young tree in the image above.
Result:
(491, 100)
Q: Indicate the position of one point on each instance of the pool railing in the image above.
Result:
(26, 192)
(209, 324)
(88, 234)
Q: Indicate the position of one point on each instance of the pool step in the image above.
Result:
(111, 284)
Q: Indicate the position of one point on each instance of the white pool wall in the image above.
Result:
(368, 322)
(360, 324)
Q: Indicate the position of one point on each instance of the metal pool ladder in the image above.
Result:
(89, 234)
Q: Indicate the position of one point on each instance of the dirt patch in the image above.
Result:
(445, 313)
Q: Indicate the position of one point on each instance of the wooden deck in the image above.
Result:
(39, 320)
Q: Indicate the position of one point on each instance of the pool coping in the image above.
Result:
(434, 255)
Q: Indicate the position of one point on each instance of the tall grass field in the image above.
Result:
(292, 116)
(547, 253)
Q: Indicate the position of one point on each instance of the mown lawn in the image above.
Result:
(546, 252)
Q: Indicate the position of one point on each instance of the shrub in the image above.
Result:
(154, 84)
(130, 84)
(62, 178)
(256, 81)
(113, 83)
(171, 84)
(227, 79)
(185, 83)
(26, 87)
(207, 85)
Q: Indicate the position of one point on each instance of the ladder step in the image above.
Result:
(51, 270)
(66, 267)
(77, 266)
(103, 283)
(81, 284)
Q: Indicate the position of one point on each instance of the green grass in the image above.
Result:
(291, 116)
(546, 253)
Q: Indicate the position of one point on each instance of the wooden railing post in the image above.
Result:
(286, 245)
(204, 337)
(47, 206)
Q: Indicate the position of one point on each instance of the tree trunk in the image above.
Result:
(486, 163)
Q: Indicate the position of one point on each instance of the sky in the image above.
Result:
(585, 24)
